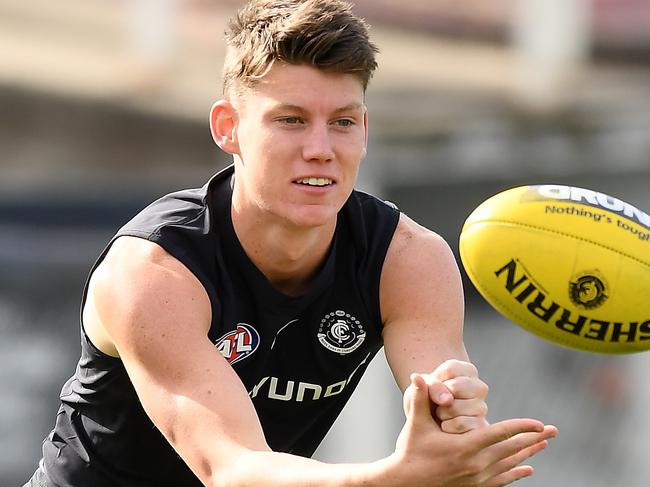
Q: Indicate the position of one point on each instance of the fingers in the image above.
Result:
(463, 407)
(508, 470)
(463, 424)
(416, 401)
(465, 387)
(504, 457)
(522, 444)
(459, 379)
(514, 460)
(489, 456)
(505, 430)
(468, 410)
(455, 415)
(510, 476)
(451, 369)
(439, 393)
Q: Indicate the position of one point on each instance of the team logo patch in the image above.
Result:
(239, 343)
(587, 291)
(341, 332)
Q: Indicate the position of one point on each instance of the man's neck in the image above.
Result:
(288, 256)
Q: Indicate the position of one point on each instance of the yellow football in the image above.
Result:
(568, 264)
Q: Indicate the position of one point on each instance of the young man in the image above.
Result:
(224, 328)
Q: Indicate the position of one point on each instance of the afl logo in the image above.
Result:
(239, 343)
(587, 291)
(341, 332)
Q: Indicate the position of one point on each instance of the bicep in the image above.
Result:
(421, 302)
(157, 315)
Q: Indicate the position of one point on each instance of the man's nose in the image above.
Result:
(318, 144)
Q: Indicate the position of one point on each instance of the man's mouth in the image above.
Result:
(315, 181)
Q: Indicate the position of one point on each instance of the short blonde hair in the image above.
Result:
(321, 33)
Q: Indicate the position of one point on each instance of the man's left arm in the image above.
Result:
(422, 308)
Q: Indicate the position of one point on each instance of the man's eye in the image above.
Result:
(292, 120)
(345, 122)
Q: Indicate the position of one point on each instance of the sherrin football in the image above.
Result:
(568, 264)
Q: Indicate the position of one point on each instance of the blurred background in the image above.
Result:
(104, 107)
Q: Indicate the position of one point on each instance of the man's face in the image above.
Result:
(300, 136)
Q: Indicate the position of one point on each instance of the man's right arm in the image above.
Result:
(149, 309)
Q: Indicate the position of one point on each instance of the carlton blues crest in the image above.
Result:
(341, 332)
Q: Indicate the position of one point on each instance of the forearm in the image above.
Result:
(254, 468)
(230, 449)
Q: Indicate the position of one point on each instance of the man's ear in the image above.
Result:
(223, 126)
(364, 153)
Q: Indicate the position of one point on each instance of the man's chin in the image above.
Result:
(312, 216)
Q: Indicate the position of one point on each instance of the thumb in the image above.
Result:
(417, 404)
(438, 392)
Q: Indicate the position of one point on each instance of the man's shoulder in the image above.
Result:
(180, 228)
(373, 214)
(368, 200)
(179, 209)
(412, 237)
(189, 206)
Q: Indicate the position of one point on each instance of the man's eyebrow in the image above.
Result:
(297, 108)
(290, 107)
(350, 107)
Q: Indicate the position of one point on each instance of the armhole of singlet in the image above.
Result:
(381, 249)
(153, 237)
(84, 297)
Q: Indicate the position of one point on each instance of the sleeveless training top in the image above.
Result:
(300, 357)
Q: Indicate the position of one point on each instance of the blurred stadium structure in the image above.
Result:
(104, 107)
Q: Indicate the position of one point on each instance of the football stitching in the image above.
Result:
(527, 225)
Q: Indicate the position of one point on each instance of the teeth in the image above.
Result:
(315, 181)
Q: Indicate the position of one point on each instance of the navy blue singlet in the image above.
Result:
(300, 357)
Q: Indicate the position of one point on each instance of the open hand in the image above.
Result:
(489, 456)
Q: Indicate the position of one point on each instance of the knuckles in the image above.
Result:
(455, 368)
(467, 387)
